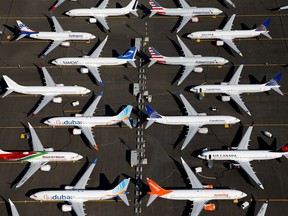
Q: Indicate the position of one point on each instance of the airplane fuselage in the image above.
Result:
(91, 12)
(192, 60)
(189, 11)
(61, 35)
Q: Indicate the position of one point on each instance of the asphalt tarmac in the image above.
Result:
(263, 58)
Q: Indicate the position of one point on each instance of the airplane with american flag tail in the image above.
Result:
(38, 158)
(77, 195)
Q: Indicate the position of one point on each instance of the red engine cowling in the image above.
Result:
(209, 207)
(208, 186)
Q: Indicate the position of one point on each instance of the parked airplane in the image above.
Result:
(189, 61)
(243, 156)
(77, 195)
(58, 3)
(187, 12)
(86, 121)
(92, 62)
(38, 158)
(233, 90)
(263, 209)
(226, 35)
(100, 13)
(13, 209)
(59, 37)
(283, 8)
(199, 194)
(50, 91)
(231, 3)
(194, 120)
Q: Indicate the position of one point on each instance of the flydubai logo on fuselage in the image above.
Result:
(72, 122)
(57, 197)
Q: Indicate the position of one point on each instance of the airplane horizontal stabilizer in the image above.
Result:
(152, 62)
(152, 197)
(153, 12)
(149, 123)
(134, 13)
(276, 89)
(20, 37)
(132, 63)
(123, 197)
(127, 122)
(9, 91)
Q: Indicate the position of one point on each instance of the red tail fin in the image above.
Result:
(156, 189)
(284, 148)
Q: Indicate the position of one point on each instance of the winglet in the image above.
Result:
(94, 161)
(96, 148)
(101, 93)
(101, 83)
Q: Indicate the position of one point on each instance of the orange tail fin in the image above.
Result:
(156, 189)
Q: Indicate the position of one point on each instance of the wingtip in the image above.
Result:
(96, 148)
(101, 93)
(242, 62)
(94, 161)
(101, 83)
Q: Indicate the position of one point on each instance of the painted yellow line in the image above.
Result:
(37, 41)
(29, 67)
(271, 200)
(25, 162)
(64, 127)
(36, 201)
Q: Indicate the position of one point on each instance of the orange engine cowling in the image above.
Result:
(208, 186)
(209, 207)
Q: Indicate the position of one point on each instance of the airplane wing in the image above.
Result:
(54, 44)
(46, 99)
(57, 4)
(244, 143)
(81, 184)
(186, 51)
(56, 24)
(48, 79)
(91, 109)
(103, 22)
(13, 209)
(99, 49)
(237, 98)
(87, 131)
(190, 110)
(231, 44)
(229, 24)
(197, 207)
(191, 132)
(94, 71)
(246, 166)
(78, 207)
(37, 145)
(187, 70)
(184, 4)
(231, 3)
(104, 4)
(184, 21)
(235, 79)
(191, 176)
(33, 167)
(262, 210)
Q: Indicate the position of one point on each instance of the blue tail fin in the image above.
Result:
(275, 80)
(151, 112)
(264, 26)
(130, 54)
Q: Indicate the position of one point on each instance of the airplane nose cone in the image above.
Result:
(68, 13)
(54, 62)
(190, 36)
(193, 90)
(243, 195)
(201, 156)
(47, 122)
(226, 61)
(88, 90)
(80, 157)
(93, 36)
(33, 196)
(237, 120)
(219, 11)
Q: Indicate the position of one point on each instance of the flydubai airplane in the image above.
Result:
(194, 121)
(13, 208)
(226, 35)
(86, 121)
(100, 13)
(189, 61)
(199, 194)
(187, 12)
(77, 195)
(233, 90)
(243, 156)
(59, 37)
(38, 158)
(92, 62)
(50, 91)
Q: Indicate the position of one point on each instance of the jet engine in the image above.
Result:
(223, 83)
(57, 100)
(208, 186)
(198, 69)
(65, 44)
(92, 20)
(76, 131)
(84, 70)
(203, 130)
(45, 168)
(68, 187)
(60, 85)
(66, 208)
(225, 98)
(49, 149)
(195, 19)
(219, 43)
(209, 207)
(78, 115)
(202, 114)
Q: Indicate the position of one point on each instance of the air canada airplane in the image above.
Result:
(77, 195)
(243, 156)
(226, 35)
(233, 90)
(59, 37)
(194, 120)
(100, 13)
(38, 158)
(86, 121)
(189, 61)
(187, 12)
(199, 194)
(50, 91)
(92, 62)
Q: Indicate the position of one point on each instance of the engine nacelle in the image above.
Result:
(84, 70)
(208, 186)
(203, 130)
(223, 83)
(68, 187)
(45, 168)
(195, 19)
(57, 100)
(66, 208)
(49, 149)
(219, 43)
(60, 85)
(198, 69)
(65, 44)
(225, 98)
(202, 114)
(73, 0)
(209, 207)
(92, 20)
(76, 131)
(78, 115)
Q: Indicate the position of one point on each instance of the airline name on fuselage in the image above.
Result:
(75, 35)
(206, 62)
(70, 62)
(49, 157)
(224, 155)
(68, 122)
(57, 197)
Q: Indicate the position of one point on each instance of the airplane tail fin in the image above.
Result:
(132, 6)
(283, 149)
(23, 29)
(264, 28)
(129, 56)
(274, 83)
(11, 85)
(121, 190)
(156, 56)
(155, 191)
(125, 114)
(151, 114)
(156, 8)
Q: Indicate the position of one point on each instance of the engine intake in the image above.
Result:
(203, 130)
(225, 98)
(195, 19)
(198, 69)
(209, 207)
(45, 168)
(65, 44)
(92, 20)
(76, 131)
(66, 208)
(219, 43)
(84, 70)
(57, 100)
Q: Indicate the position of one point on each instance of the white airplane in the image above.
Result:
(59, 37)
(194, 120)
(38, 158)
(92, 62)
(263, 209)
(199, 194)
(13, 209)
(233, 90)
(100, 13)
(243, 156)
(77, 195)
(187, 12)
(50, 91)
(189, 61)
(231, 3)
(86, 121)
(58, 3)
(226, 35)
(283, 8)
